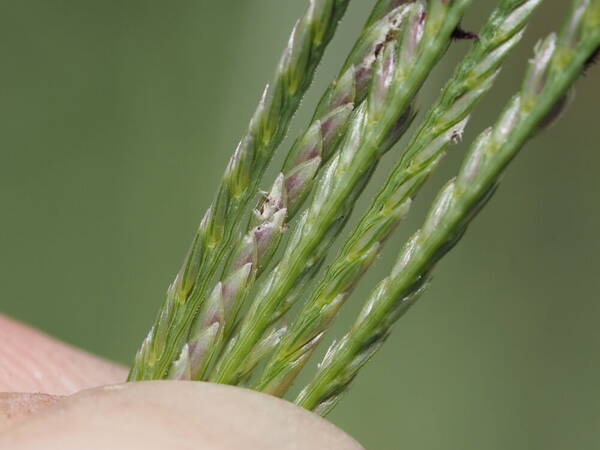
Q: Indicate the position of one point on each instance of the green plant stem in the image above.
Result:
(422, 43)
(556, 66)
(268, 127)
(254, 251)
(443, 125)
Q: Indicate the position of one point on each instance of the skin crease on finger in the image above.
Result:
(150, 415)
(173, 415)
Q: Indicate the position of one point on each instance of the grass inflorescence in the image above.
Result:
(228, 319)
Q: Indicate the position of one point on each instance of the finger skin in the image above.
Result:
(31, 361)
(16, 407)
(174, 415)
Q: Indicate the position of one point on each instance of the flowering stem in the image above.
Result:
(443, 125)
(267, 129)
(557, 64)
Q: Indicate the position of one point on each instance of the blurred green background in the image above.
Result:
(116, 121)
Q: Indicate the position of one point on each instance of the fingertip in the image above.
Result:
(175, 415)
